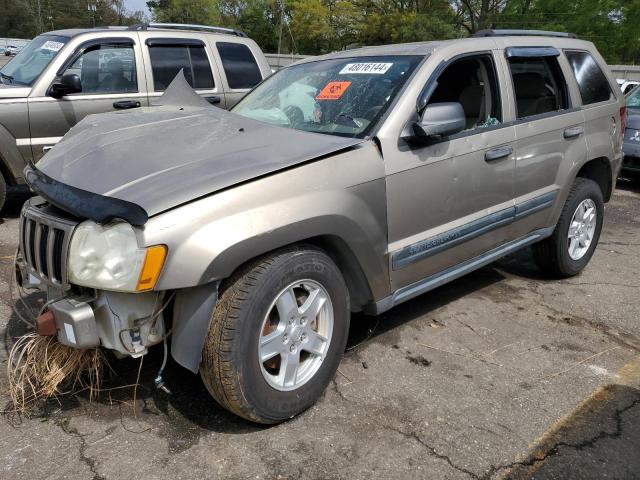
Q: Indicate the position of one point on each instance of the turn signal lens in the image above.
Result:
(151, 268)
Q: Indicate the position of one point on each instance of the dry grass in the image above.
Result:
(41, 367)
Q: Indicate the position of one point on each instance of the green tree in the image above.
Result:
(16, 20)
(345, 20)
(310, 25)
(318, 26)
(204, 12)
(260, 19)
(610, 24)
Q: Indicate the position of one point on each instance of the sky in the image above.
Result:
(137, 5)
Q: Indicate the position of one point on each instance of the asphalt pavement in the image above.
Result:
(501, 374)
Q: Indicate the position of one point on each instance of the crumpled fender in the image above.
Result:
(192, 312)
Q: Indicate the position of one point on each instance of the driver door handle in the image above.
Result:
(213, 100)
(498, 153)
(126, 104)
(574, 132)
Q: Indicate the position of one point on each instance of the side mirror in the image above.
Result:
(438, 119)
(68, 84)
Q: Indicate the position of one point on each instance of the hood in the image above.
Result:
(161, 157)
(13, 91)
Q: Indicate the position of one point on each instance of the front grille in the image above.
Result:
(44, 241)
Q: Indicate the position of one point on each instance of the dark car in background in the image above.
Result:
(631, 145)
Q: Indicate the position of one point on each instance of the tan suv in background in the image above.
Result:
(349, 182)
(62, 76)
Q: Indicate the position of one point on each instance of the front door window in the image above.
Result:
(472, 82)
(106, 68)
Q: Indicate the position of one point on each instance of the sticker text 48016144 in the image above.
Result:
(366, 68)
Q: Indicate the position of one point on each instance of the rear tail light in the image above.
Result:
(623, 121)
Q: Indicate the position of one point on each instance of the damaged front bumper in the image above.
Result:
(126, 323)
(81, 317)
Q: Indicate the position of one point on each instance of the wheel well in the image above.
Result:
(599, 170)
(6, 173)
(359, 291)
(338, 250)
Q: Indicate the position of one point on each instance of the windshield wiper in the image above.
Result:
(6, 77)
(347, 121)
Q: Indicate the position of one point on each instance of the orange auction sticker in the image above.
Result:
(333, 91)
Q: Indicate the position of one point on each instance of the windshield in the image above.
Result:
(27, 65)
(633, 99)
(343, 97)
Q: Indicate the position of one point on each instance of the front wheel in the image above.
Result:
(568, 250)
(277, 335)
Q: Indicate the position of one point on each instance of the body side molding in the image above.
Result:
(451, 238)
(429, 283)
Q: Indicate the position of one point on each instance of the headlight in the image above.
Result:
(108, 257)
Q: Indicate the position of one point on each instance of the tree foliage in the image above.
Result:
(185, 11)
(318, 26)
(611, 24)
(27, 18)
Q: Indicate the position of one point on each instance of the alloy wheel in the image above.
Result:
(295, 335)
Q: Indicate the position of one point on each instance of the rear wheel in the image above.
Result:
(277, 335)
(568, 250)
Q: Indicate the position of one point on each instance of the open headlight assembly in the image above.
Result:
(108, 257)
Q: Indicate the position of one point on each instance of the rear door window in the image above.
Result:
(239, 65)
(592, 83)
(538, 85)
(168, 57)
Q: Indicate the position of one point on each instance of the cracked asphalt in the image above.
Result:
(501, 374)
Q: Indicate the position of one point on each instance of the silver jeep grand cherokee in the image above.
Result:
(349, 182)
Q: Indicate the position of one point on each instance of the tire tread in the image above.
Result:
(219, 372)
(547, 254)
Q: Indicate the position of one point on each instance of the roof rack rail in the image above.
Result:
(522, 33)
(186, 26)
(112, 27)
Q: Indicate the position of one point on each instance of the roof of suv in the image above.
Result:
(153, 27)
(426, 48)
(416, 48)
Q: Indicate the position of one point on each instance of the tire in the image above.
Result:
(247, 313)
(3, 191)
(552, 255)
